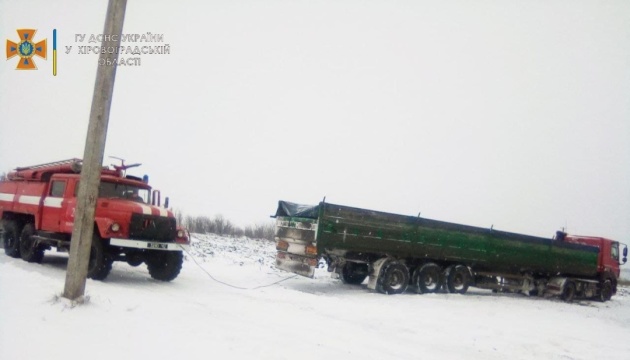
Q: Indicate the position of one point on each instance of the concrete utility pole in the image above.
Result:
(93, 153)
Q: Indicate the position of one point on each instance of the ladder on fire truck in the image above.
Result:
(52, 164)
(37, 171)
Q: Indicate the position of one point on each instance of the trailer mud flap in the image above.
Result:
(376, 271)
(555, 285)
(296, 264)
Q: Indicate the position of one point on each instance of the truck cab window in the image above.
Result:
(614, 251)
(58, 188)
(123, 191)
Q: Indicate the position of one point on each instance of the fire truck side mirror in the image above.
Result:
(156, 198)
(625, 252)
(166, 204)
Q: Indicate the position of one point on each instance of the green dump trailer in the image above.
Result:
(396, 251)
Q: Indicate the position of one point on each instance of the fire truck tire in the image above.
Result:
(100, 263)
(393, 279)
(606, 291)
(354, 273)
(29, 249)
(135, 260)
(458, 279)
(11, 238)
(427, 278)
(164, 265)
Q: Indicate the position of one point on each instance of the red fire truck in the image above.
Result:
(37, 208)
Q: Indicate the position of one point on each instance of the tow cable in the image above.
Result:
(230, 285)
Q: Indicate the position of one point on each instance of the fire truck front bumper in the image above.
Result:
(148, 245)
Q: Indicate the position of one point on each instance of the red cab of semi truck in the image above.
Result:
(609, 257)
(37, 208)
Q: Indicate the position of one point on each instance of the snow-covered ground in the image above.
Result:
(203, 314)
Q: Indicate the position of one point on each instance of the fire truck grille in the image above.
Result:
(149, 227)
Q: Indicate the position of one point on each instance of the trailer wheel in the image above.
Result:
(11, 238)
(536, 292)
(606, 291)
(568, 293)
(29, 249)
(100, 263)
(164, 265)
(458, 279)
(353, 273)
(427, 278)
(393, 279)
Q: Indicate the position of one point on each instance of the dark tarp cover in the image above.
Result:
(286, 208)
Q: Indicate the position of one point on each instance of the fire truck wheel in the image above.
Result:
(29, 249)
(100, 263)
(393, 279)
(11, 238)
(135, 259)
(458, 279)
(606, 291)
(164, 265)
(353, 273)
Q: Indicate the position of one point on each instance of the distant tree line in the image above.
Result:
(221, 226)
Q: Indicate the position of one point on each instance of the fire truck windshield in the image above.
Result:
(123, 191)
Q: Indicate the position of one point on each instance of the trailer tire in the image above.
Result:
(164, 265)
(353, 273)
(100, 263)
(11, 237)
(605, 293)
(29, 249)
(393, 279)
(427, 278)
(536, 292)
(458, 279)
(569, 291)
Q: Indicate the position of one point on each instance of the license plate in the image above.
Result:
(157, 246)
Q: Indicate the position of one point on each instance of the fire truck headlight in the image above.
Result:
(115, 227)
(180, 233)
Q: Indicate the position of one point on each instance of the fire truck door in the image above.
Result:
(54, 206)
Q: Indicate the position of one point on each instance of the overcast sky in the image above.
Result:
(507, 113)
